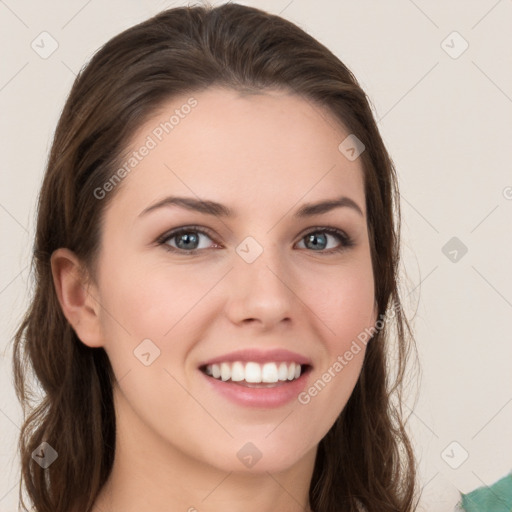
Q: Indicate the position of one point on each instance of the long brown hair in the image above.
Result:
(366, 459)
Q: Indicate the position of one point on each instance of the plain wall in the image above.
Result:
(447, 122)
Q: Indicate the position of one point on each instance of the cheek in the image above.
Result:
(352, 311)
(149, 301)
(165, 304)
(345, 303)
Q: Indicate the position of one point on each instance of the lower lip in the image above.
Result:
(277, 396)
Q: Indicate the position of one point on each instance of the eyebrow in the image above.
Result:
(220, 210)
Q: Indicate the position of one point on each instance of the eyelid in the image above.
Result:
(175, 231)
(162, 239)
(346, 240)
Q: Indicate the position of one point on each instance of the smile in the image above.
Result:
(254, 373)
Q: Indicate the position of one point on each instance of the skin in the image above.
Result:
(263, 155)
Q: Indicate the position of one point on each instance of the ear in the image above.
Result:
(77, 297)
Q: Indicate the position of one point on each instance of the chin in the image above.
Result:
(258, 457)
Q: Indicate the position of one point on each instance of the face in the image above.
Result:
(185, 292)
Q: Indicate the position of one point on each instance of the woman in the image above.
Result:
(216, 265)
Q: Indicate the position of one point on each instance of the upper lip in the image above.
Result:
(259, 356)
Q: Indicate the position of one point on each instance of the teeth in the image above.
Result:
(237, 372)
(283, 372)
(254, 372)
(269, 373)
(225, 371)
(215, 371)
(291, 371)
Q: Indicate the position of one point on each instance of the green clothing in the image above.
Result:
(495, 498)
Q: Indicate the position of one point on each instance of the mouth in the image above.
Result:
(253, 377)
(252, 374)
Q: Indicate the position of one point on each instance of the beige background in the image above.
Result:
(447, 122)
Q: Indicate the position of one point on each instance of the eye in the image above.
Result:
(318, 240)
(187, 240)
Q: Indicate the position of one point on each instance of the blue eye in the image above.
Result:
(313, 240)
(187, 240)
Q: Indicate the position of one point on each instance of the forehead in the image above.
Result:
(240, 149)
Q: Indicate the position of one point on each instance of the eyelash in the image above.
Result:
(346, 240)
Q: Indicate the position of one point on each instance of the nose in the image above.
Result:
(261, 292)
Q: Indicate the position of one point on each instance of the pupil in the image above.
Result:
(187, 238)
(313, 238)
